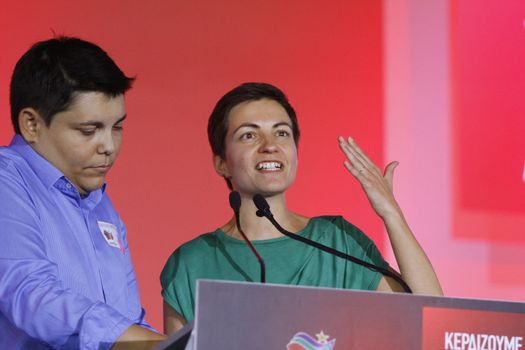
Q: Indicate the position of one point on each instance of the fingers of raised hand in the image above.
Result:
(358, 159)
(354, 163)
(357, 172)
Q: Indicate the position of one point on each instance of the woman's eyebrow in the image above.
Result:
(247, 125)
(282, 124)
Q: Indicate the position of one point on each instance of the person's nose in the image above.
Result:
(107, 143)
(268, 144)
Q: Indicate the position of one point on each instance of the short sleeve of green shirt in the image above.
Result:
(218, 256)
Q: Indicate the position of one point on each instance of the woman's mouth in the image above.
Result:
(269, 166)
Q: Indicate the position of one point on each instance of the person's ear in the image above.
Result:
(30, 122)
(220, 166)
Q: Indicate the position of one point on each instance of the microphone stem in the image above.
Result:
(252, 248)
(337, 253)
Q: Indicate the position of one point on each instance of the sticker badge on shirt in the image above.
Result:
(110, 234)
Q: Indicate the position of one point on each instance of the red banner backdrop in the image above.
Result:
(326, 56)
(488, 122)
(329, 58)
(488, 83)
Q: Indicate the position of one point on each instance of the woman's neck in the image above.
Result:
(259, 228)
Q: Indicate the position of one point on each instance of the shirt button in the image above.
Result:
(68, 186)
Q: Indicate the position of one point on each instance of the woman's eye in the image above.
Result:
(87, 132)
(117, 127)
(284, 133)
(247, 136)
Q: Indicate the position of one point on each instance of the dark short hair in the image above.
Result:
(49, 74)
(218, 121)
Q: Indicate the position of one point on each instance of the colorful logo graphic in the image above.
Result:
(303, 341)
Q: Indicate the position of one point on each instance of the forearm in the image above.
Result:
(137, 338)
(173, 321)
(63, 319)
(414, 265)
(35, 301)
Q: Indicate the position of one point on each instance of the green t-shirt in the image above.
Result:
(216, 255)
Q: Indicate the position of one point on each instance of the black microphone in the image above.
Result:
(235, 204)
(263, 209)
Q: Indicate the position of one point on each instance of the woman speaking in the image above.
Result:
(254, 133)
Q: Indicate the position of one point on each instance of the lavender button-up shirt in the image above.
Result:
(66, 278)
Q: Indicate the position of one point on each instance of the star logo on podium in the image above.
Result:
(304, 341)
(322, 338)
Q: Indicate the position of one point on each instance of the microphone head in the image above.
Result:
(235, 201)
(260, 202)
(263, 208)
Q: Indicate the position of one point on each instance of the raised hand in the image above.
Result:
(378, 185)
(413, 263)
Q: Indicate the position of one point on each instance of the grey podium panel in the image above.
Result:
(233, 315)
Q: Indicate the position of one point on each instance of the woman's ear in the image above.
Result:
(30, 122)
(220, 166)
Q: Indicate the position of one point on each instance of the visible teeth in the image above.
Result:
(269, 166)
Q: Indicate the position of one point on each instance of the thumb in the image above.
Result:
(389, 173)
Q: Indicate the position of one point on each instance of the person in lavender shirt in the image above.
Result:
(66, 277)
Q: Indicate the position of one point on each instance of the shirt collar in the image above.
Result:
(48, 173)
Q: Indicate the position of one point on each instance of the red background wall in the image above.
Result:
(488, 109)
(451, 76)
(328, 58)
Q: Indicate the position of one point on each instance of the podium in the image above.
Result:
(237, 315)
